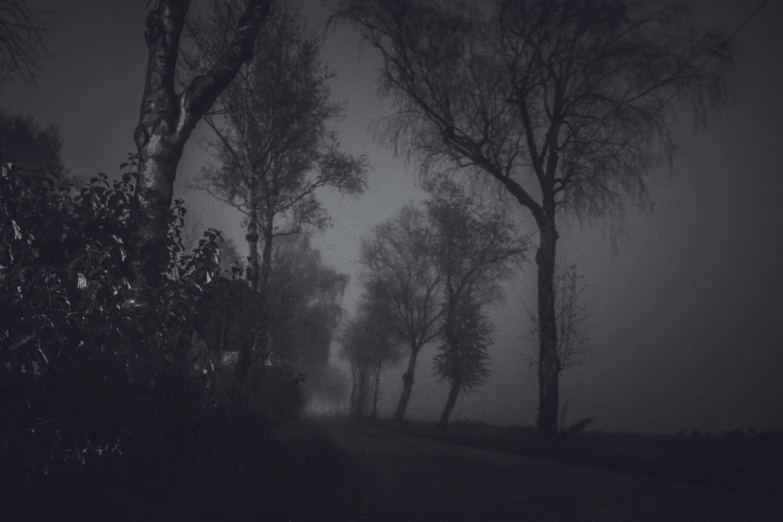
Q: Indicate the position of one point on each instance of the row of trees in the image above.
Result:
(564, 105)
(430, 273)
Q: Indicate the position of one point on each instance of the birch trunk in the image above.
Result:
(167, 120)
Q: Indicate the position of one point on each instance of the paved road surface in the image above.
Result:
(386, 476)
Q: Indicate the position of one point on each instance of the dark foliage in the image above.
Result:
(107, 409)
(24, 143)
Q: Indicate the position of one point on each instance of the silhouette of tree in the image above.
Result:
(357, 336)
(273, 147)
(399, 268)
(305, 308)
(566, 104)
(462, 357)
(384, 344)
(473, 250)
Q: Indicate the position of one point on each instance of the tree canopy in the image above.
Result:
(565, 104)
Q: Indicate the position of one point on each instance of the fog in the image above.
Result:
(686, 327)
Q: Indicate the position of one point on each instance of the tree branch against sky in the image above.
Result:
(21, 41)
(566, 104)
(398, 266)
(273, 147)
(384, 345)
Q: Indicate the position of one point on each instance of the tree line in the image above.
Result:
(563, 106)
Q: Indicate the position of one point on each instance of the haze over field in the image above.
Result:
(687, 314)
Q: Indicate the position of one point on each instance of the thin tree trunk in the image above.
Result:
(450, 402)
(456, 376)
(253, 260)
(548, 391)
(407, 385)
(376, 392)
(263, 339)
(253, 269)
(167, 119)
(354, 386)
(362, 394)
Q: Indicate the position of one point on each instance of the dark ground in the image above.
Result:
(385, 476)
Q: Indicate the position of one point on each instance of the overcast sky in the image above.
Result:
(687, 314)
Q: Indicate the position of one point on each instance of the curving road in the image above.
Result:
(386, 476)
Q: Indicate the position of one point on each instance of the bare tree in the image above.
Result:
(357, 337)
(473, 249)
(167, 117)
(305, 297)
(273, 144)
(21, 41)
(566, 104)
(385, 346)
(398, 262)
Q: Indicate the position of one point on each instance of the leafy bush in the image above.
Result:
(101, 388)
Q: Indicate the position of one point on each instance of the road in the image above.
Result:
(386, 476)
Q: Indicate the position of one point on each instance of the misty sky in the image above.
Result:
(687, 314)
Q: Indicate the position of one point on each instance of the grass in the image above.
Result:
(741, 461)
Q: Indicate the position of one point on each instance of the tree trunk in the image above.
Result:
(263, 339)
(253, 261)
(407, 385)
(548, 392)
(354, 385)
(361, 396)
(376, 392)
(450, 402)
(456, 376)
(167, 119)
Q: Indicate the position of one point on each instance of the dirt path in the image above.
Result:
(386, 476)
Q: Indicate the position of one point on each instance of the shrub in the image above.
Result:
(100, 384)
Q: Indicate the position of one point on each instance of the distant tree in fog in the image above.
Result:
(305, 296)
(273, 144)
(565, 105)
(397, 259)
(369, 341)
(462, 356)
(386, 348)
(355, 338)
(473, 248)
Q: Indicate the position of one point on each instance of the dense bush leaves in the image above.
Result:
(103, 379)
